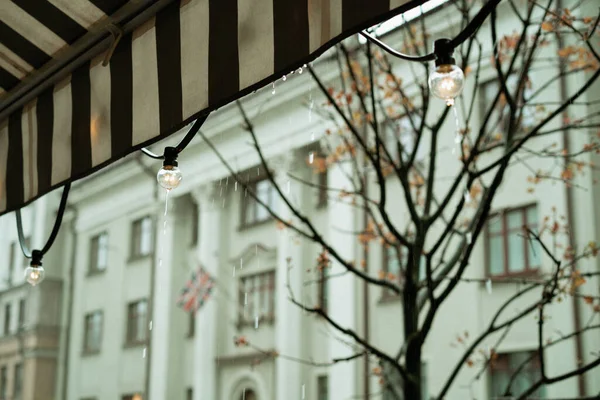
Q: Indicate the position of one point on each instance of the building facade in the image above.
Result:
(106, 323)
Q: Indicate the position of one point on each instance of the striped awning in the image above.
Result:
(86, 82)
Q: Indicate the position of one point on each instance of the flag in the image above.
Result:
(196, 291)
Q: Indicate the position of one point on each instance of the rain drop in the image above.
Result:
(488, 286)
(303, 391)
(233, 272)
(235, 186)
(467, 197)
(311, 157)
(256, 322)
(284, 78)
(273, 91)
(300, 70)
(150, 325)
(246, 298)
(469, 237)
(241, 263)
(144, 353)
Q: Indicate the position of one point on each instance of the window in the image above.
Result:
(22, 313)
(99, 253)
(11, 262)
(392, 266)
(93, 332)
(322, 388)
(195, 224)
(322, 181)
(252, 211)
(500, 116)
(248, 394)
(3, 382)
(191, 324)
(18, 382)
(509, 251)
(141, 237)
(189, 394)
(323, 288)
(257, 298)
(137, 322)
(7, 312)
(506, 365)
(401, 131)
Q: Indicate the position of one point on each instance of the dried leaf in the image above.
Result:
(547, 26)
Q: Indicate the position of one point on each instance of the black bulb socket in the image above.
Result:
(170, 156)
(36, 258)
(443, 50)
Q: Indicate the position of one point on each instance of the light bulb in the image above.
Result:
(169, 177)
(34, 274)
(447, 82)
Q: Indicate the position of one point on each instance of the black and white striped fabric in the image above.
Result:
(192, 57)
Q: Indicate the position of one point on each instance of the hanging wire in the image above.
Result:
(59, 216)
(466, 33)
(184, 142)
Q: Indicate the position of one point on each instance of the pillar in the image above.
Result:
(205, 338)
(288, 316)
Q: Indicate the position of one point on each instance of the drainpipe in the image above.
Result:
(570, 217)
(71, 290)
(152, 175)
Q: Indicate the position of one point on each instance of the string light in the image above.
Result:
(447, 80)
(169, 176)
(35, 274)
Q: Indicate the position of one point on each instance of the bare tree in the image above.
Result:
(380, 125)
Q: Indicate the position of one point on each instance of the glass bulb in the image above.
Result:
(34, 275)
(447, 82)
(169, 177)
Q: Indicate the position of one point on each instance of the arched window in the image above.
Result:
(248, 394)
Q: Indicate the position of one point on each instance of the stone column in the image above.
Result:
(161, 303)
(342, 301)
(205, 338)
(288, 317)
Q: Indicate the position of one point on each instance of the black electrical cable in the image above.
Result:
(36, 255)
(183, 143)
(466, 33)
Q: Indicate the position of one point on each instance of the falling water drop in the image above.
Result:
(256, 322)
(150, 325)
(233, 274)
(300, 70)
(488, 286)
(284, 78)
(235, 186)
(311, 157)
(303, 391)
(241, 263)
(246, 298)
(288, 186)
(467, 197)
(144, 352)
(469, 237)
(166, 202)
(273, 91)
(312, 136)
